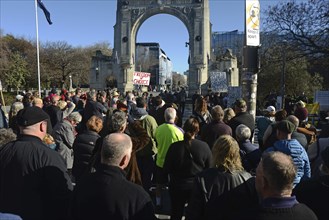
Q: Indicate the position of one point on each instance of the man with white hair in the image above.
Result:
(64, 134)
(131, 102)
(107, 194)
(165, 135)
(250, 154)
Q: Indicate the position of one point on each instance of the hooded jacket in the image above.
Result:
(294, 149)
(150, 125)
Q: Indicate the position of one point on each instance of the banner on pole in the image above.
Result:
(0, 86)
(252, 22)
(141, 78)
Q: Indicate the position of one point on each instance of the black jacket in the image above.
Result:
(242, 118)
(209, 185)
(183, 162)
(107, 194)
(214, 130)
(83, 147)
(33, 180)
(55, 114)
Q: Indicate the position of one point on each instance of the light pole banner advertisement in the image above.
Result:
(141, 78)
(252, 22)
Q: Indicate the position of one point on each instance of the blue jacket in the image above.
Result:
(293, 148)
(3, 119)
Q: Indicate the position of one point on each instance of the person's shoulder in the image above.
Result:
(200, 143)
(210, 172)
(134, 190)
(150, 118)
(303, 211)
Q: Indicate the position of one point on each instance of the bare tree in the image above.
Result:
(59, 56)
(305, 25)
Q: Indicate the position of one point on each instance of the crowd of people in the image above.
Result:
(106, 155)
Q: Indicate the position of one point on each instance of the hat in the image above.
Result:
(115, 93)
(138, 113)
(19, 97)
(30, 116)
(270, 109)
(325, 157)
(240, 103)
(62, 104)
(286, 126)
(301, 103)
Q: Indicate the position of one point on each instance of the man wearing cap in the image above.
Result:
(19, 98)
(33, 179)
(301, 111)
(292, 148)
(263, 122)
(300, 137)
(242, 117)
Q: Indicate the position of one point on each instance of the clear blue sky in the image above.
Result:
(85, 22)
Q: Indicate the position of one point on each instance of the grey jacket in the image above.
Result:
(64, 135)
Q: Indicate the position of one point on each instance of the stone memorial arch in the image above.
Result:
(130, 16)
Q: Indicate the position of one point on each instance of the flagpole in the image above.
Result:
(38, 56)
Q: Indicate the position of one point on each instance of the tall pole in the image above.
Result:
(37, 32)
(250, 55)
(283, 86)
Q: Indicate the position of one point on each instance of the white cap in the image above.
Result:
(270, 109)
(19, 97)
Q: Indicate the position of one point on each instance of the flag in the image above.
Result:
(45, 11)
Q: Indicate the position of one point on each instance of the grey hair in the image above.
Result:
(118, 120)
(130, 96)
(115, 146)
(279, 170)
(293, 119)
(170, 114)
(6, 135)
(15, 107)
(91, 95)
(242, 132)
(74, 116)
(217, 113)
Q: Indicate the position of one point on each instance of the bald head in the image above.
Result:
(116, 150)
(293, 119)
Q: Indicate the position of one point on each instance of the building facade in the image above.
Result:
(152, 59)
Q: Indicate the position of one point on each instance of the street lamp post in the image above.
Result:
(283, 76)
(70, 83)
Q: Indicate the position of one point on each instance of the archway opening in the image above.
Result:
(162, 48)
